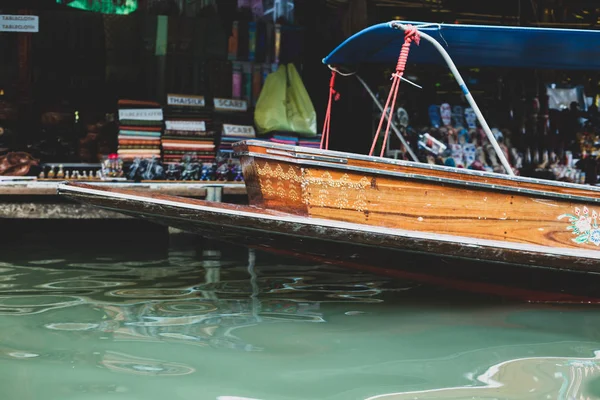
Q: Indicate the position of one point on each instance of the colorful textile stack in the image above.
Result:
(314, 142)
(234, 122)
(140, 128)
(291, 139)
(235, 133)
(189, 130)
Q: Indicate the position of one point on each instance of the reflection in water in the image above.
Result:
(238, 326)
(543, 377)
(177, 306)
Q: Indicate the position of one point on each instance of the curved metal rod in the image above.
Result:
(467, 94)
(388, 116)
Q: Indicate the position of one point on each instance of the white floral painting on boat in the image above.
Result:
(585, 225)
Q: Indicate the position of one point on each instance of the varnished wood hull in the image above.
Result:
(383, 193)
(436, 259)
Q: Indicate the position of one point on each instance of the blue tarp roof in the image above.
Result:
(476, 45)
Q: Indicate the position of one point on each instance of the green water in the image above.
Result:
(194, 325)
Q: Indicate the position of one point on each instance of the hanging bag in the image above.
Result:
(270, 114)
(301, 114)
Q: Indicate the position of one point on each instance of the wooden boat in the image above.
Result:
(391, 252)
(349, 206)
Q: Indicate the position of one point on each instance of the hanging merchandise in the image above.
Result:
(257, 8)
(471, 118)
(270, 113)
(277, 43)
(232, 52)
(458, 116)
(446, 114)
(435, 117)
(236, 83)
(277, 9)
(252, 41)
(301, 113)
(402, 116)
(284, 105)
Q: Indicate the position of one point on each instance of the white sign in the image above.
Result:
(19, 23)
(185, 100)
(193, 126)
(141, 114)
(230, 104)
(238, 130)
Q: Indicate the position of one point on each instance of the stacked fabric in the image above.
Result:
(140, 129)
(314, 142)
(291, 139)
(235, 133)
(284, 139)
(188, 130)
(234, 122)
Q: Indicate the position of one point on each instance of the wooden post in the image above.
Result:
(214, 193)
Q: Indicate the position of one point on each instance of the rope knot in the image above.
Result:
(411, 34)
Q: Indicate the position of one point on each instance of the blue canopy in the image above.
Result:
(475, 46)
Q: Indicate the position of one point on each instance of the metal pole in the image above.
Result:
(467, 94)
(398, 133)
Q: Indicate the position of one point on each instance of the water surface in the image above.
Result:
(193, 324)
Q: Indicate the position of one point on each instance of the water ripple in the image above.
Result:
(72, 326)
(125, 363)
(81, 284)
(150, 293)
(36, 304)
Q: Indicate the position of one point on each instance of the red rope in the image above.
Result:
(410, 34)
(333, 95)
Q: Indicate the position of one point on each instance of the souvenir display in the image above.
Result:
(471, 118)
(234, 121)
(140, 129)
(112, 167)
(458, 117)
(446, 114)
(188, 129)
(161, 114)
(429, 143)
(144, 169)
(455, 140)
(434, 116)
(402, 116)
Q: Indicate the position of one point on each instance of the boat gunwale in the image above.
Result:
(547, 251)
(424, 166)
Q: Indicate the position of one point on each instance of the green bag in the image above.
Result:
(270, 113)
(301, 113)
(284, 105)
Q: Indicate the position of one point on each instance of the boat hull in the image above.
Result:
(439, 260)
(419, 197)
